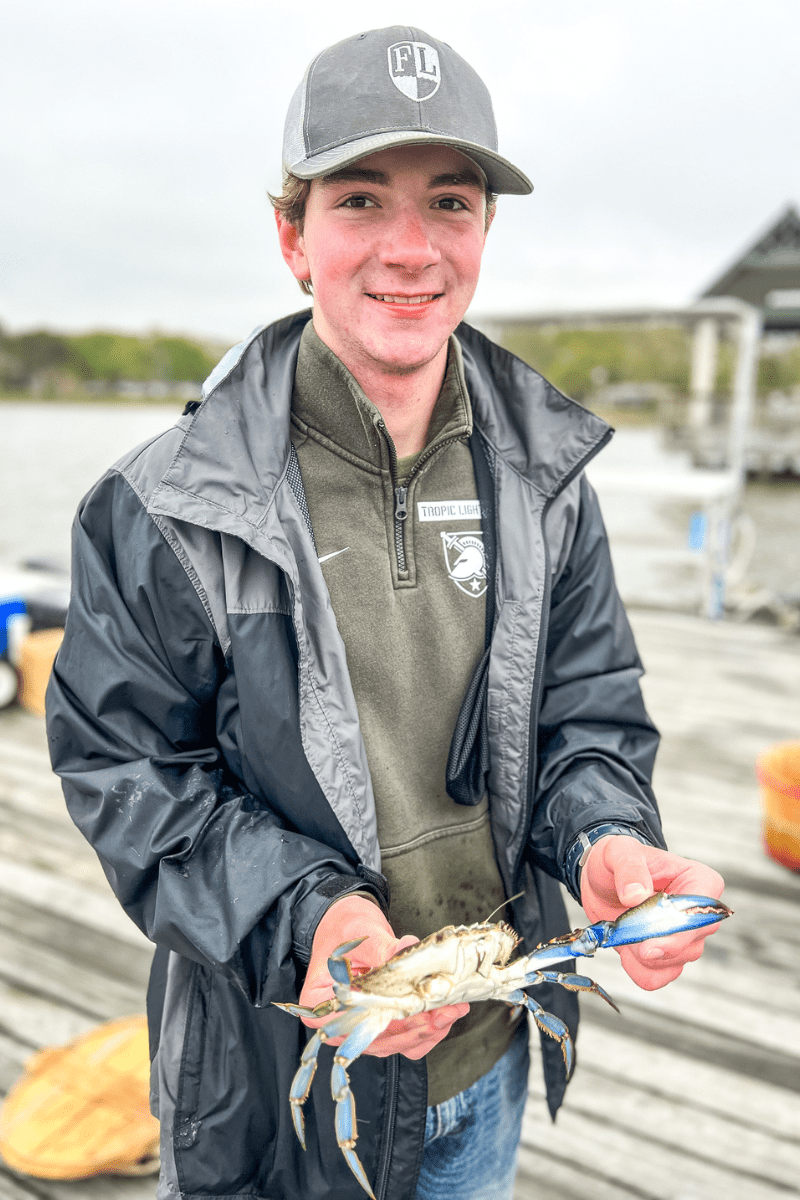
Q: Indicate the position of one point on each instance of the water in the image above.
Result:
(53, 453)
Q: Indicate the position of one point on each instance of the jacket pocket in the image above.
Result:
(187, 1125)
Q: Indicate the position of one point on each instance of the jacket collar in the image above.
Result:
(329, 401)
(538, 431)
(237, 447)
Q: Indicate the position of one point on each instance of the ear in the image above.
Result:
(292, 248)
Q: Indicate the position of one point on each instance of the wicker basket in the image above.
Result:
(83, 1109)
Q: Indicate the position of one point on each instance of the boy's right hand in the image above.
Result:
(346, 920)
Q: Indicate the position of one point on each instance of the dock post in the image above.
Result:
(743, 402)
(705, 341)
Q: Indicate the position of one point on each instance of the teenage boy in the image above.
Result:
(345, 659)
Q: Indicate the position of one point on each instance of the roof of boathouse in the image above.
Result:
(767, 274)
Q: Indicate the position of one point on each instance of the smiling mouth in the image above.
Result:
(405, 299)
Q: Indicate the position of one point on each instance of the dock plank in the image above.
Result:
(691, 1093)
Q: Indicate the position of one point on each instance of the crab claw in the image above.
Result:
(659, 916)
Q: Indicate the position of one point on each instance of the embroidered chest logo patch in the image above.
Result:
(414, 69)
(465, 560)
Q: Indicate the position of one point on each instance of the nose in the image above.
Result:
(407, 243)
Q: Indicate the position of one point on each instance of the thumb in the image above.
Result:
(627, 860)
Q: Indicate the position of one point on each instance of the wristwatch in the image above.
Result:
(579, 850)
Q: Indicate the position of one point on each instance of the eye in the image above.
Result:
(358, 202)
(451, 204)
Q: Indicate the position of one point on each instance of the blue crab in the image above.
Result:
(465, 963)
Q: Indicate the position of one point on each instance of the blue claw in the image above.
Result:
(659, 916)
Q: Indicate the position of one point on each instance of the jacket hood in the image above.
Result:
(236, 449)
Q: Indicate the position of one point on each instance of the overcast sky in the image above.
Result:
(139, 137)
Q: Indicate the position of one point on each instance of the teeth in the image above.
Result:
(405, 299)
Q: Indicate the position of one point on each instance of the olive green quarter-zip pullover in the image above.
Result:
(401, 548)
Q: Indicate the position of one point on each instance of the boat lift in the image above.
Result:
(718, 531)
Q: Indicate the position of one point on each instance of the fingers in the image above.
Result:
(671, 873)
(621, 872)
(648, 977)
(616, 876)
(413, 1036)
(347, 920)
(655, 963)
(416, 1036)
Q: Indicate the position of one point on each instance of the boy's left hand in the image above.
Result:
(620, 872)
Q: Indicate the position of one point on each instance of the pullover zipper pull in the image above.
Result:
(400, 510)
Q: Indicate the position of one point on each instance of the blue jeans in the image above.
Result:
(471, 1141)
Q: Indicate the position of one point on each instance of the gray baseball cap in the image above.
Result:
(392, 87)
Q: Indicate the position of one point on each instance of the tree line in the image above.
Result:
(44, 363)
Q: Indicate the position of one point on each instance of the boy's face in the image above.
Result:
(393, 248)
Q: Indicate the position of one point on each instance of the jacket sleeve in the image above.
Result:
(202, 866)
(596, 743)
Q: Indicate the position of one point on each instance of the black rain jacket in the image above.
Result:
(203, 723)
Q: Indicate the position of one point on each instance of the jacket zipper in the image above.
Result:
(401, 493)
(393, 1089)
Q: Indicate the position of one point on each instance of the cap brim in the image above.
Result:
(501, 175)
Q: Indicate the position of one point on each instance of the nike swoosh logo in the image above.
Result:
(325, 557)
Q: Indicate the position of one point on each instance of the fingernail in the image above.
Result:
(653, 954)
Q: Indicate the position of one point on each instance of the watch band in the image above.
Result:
(579, 850)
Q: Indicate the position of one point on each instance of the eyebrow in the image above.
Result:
(465, 178)
(355, 175)
(458, 179)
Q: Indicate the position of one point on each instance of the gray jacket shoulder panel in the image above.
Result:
(536, 430)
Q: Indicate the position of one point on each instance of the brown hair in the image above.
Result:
(291, 204)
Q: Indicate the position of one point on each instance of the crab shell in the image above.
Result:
(455, 964)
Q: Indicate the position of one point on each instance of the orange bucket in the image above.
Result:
(778, 771)
(36, 657)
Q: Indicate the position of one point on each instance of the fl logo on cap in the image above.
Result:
(414, 69)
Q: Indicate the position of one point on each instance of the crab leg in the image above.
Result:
(301, 1084)
(658, 916)
(367, 1029)
(548, 1023)
(573, 983)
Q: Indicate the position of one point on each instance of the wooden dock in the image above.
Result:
(692, 1093)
